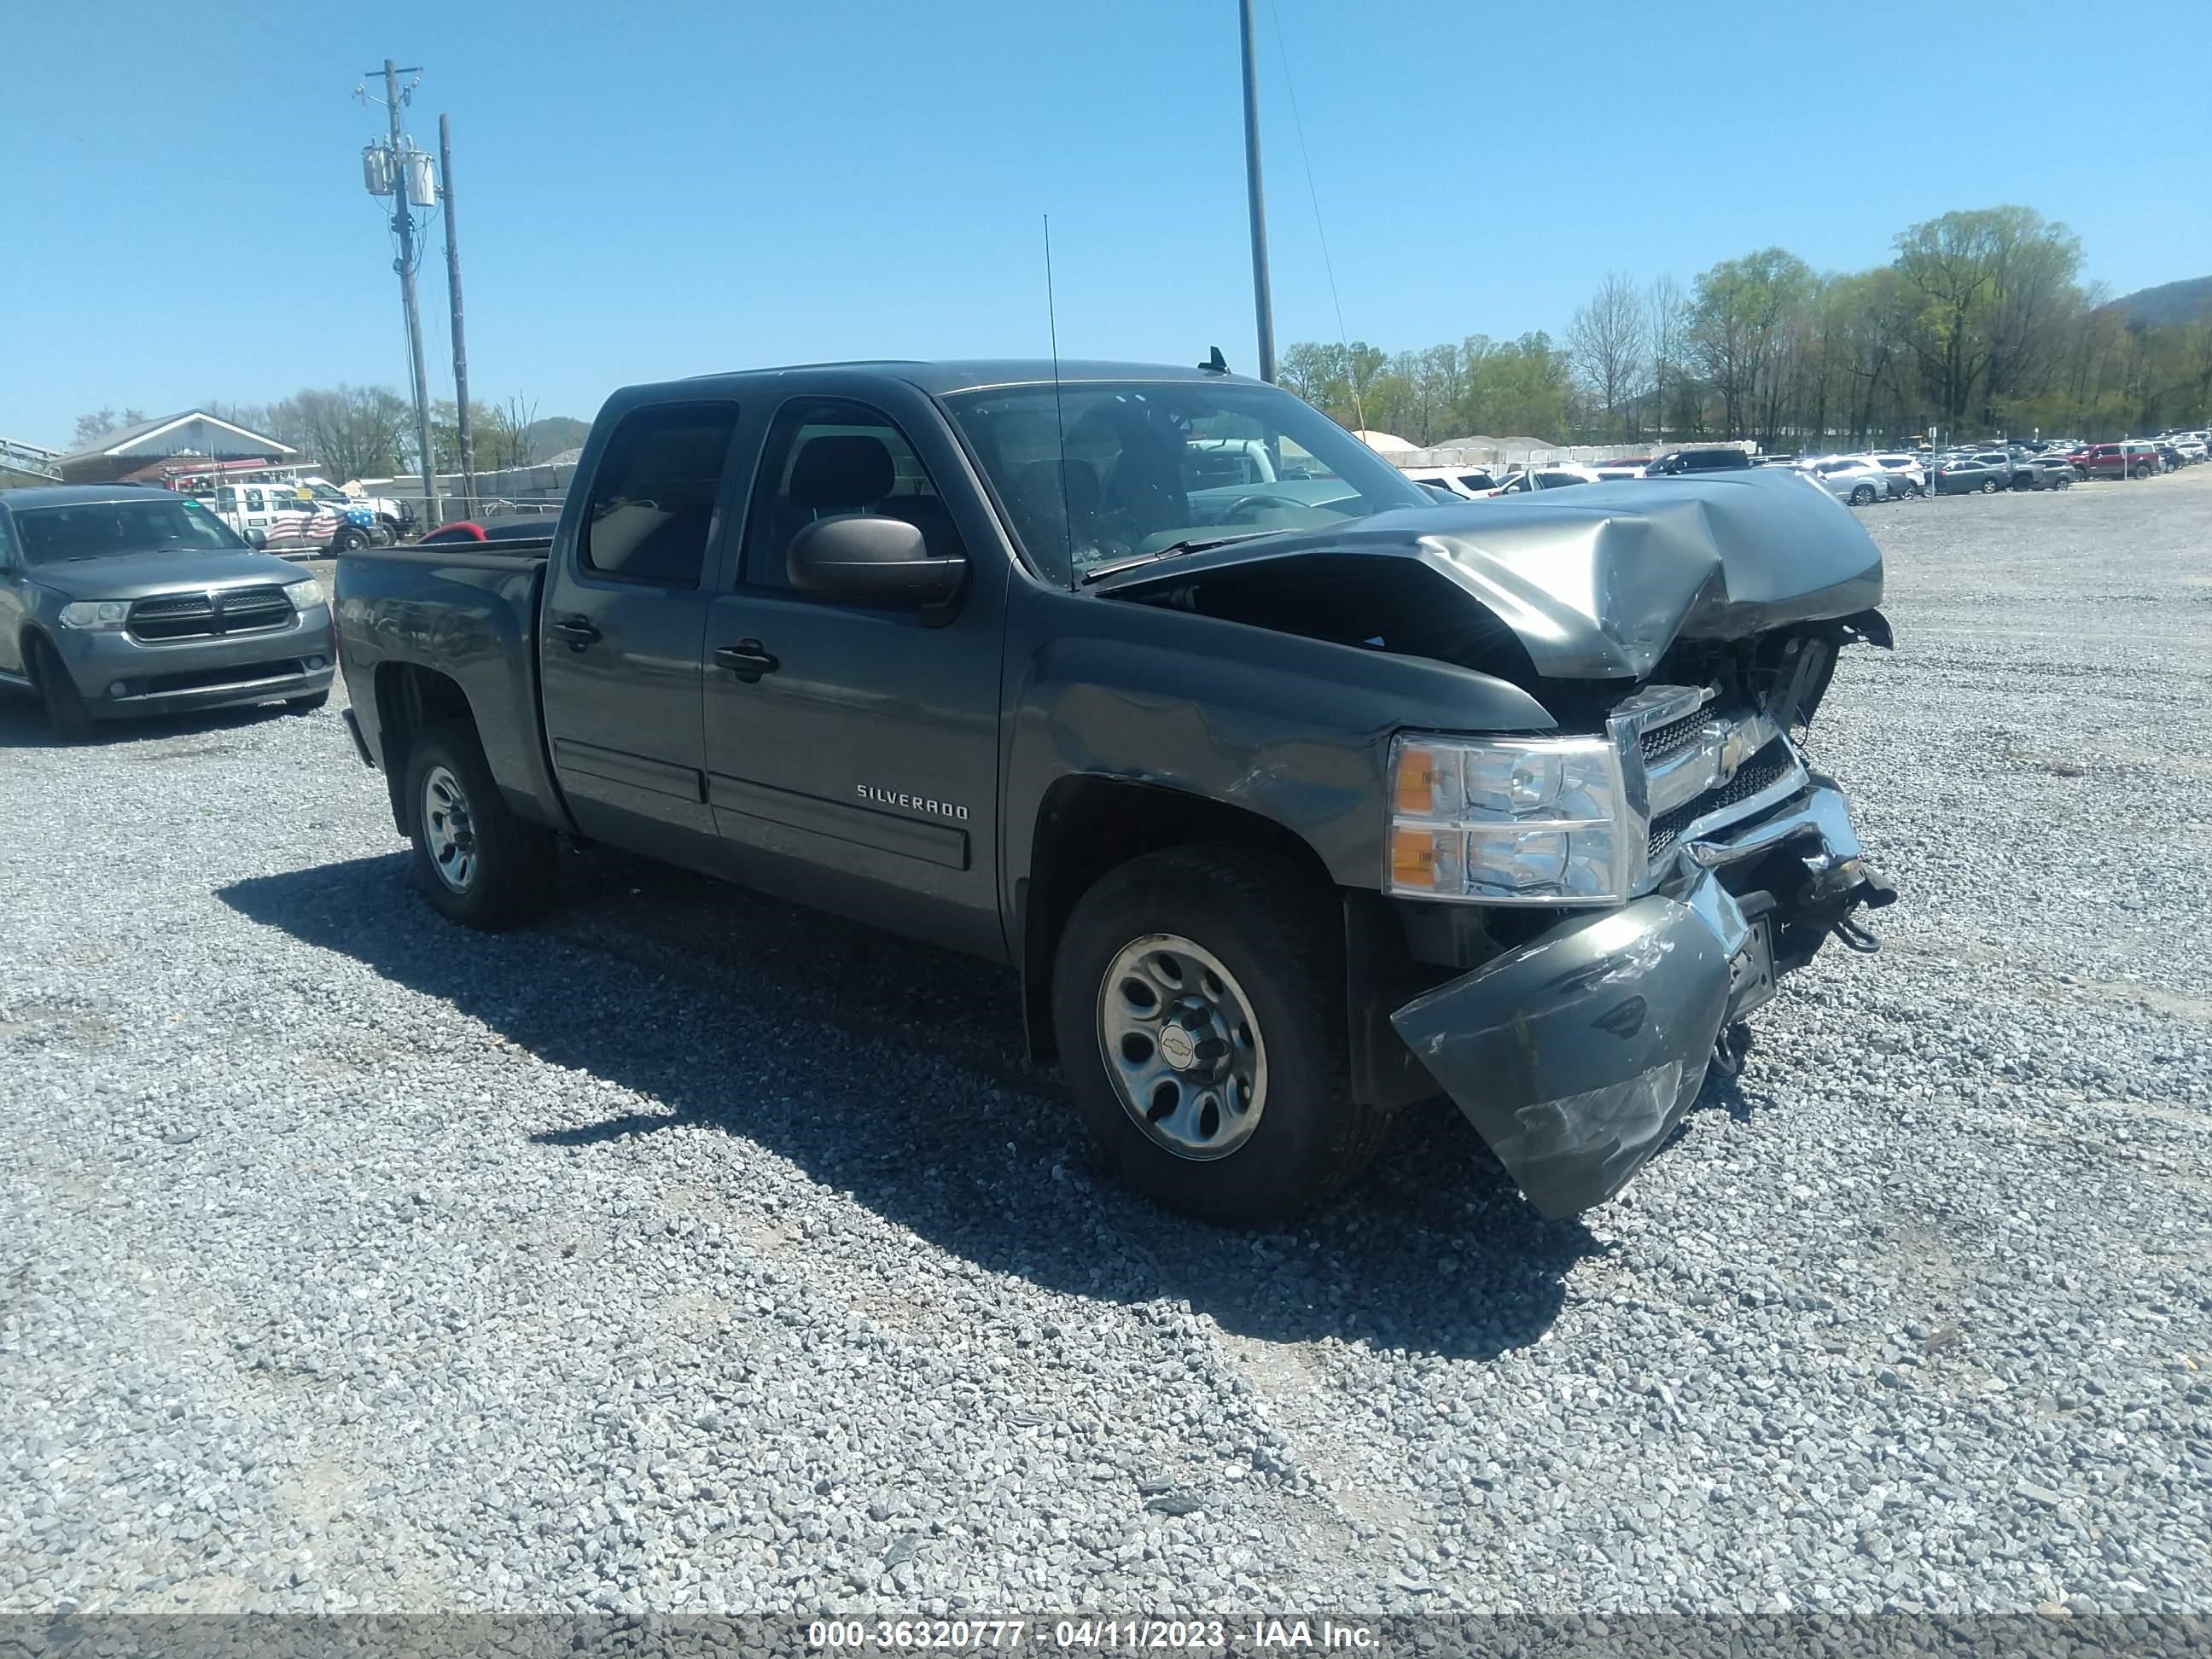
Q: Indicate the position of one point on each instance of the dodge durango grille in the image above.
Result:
(209, 615)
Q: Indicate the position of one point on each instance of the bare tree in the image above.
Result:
(353, 431)
(91, 428)
(1608, 339)
(1666, 332)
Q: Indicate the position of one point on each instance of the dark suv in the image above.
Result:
(116, 600)
(1696, 460)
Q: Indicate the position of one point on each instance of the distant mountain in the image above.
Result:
(2167, 304)
(555, 433)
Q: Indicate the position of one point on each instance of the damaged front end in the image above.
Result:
(1575, 1053)
(1588, 909)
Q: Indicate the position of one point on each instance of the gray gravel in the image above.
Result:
(690, 1252)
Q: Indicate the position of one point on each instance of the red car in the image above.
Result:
(2115, 461)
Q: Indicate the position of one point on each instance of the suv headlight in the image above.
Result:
(95, 613)
(306, 593)
(1533, 821)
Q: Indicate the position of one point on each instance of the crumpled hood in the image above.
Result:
(168, 570)
(1598, 580)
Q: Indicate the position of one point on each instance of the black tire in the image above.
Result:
(349, 538)
(2140, 472)
(511, 873)
(67, 715)
(1861, 494)
(308, 704)
(385, 534)
(1276, 933)
(1989, 486)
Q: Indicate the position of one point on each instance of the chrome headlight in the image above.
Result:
(306, 593)
(95, 613)
(1531, 821)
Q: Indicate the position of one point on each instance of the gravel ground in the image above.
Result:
(691, 1252)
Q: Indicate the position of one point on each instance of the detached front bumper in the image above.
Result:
(1576, 1054)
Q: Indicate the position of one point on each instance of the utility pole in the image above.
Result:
(402, 224)
(460, 348)
(1263, 301)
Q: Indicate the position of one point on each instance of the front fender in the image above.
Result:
(1292, 729)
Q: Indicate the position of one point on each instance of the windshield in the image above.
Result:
(1150, 465)
(100, 530)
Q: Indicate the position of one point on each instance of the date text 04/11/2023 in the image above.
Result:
(1149, 1635)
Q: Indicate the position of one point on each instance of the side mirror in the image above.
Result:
(257, 539)
(885, 560)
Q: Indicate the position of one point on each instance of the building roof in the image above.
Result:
(135, 440)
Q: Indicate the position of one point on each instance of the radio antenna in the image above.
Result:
(1058, 413)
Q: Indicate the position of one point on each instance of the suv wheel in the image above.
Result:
(1989, 486)
(67, 717)
(478, 863)
(1198, 997)
(1862, 494)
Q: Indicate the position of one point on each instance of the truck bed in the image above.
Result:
(451, 630)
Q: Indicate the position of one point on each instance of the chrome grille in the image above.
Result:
(1762, 771)
(209, 615)
(1663, 743)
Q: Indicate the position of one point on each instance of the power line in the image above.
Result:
(1313, 194)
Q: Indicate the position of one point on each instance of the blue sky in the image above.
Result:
(654, 189)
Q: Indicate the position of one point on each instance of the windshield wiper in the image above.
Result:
(1173, 549)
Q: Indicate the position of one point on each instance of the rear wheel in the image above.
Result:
(1862, 494)
(478, 863)
(1989, 486)
(2140, 472)
(67, 717)
(350, 537)
(1198, 997)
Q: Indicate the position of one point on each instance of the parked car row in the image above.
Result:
(1863, 479)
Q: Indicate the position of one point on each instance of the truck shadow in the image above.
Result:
(894, 1071)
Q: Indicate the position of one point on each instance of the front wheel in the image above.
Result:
(478, 863)
(68, 715)
(1198, 998)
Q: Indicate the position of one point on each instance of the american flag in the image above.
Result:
(295, 520)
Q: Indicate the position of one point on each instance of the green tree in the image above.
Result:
(1737, 319)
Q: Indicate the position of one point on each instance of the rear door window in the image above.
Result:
(652, 513)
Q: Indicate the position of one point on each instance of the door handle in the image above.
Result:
(578, 631)
(748, 660)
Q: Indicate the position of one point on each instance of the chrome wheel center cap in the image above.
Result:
(1177, 1048)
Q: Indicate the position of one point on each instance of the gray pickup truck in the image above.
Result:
(1295, 798)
